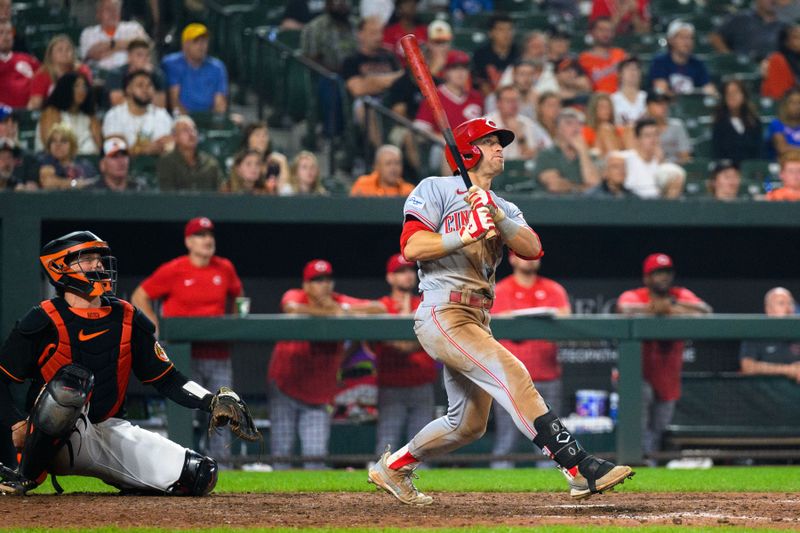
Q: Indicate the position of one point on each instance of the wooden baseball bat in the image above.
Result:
(419, 69)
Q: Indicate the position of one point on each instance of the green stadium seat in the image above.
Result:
(671, 9)
(721, 65)
(516, 177)
(693, 105)
(516, 6)
(144, 167)
(468, 40)
(531, 21)
(26, 126)
(759, 170)
(702, 147)
(750, 188)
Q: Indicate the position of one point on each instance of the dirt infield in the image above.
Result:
(777, 510)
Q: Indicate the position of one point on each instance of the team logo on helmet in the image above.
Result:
(80, 262)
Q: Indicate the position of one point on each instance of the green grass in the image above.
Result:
(718, 479)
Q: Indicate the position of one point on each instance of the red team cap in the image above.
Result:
(316, 268)
(457, 58)
(398, 262)
(197, 225)
(655, 262)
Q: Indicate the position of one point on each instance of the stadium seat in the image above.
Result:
(468, 39)
(671, 9)
(693, 105)
(516, 177)
(759, 170)
(721, 65)
(515, 6)
(26, 125)
(144, 167)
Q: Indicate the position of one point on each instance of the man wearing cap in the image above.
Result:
(440, 40)
(302, 375)
(186, 168)
(460, 102)
(406, 374)
(16, 70)
(146, 128)
(567, 166)
(10, 168)
(200, 283)
(526, 290)
(114, 168)
(678, 70)
(661, 360)
(105, 45)
(674, 141)
(725, 180)
(196, 81)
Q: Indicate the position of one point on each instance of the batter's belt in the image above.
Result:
(472, 299)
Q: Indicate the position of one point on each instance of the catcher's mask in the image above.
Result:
(69, 265)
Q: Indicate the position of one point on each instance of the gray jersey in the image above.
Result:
(438, 202)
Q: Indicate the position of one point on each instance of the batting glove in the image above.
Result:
(477, 197)
(480, 223)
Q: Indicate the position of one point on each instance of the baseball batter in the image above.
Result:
(79, 349)
(448, 239)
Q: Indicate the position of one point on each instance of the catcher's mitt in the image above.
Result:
(228, 408)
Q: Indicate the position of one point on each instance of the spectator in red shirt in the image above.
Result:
(302, 375)
(600, 61)
(59, 58)
(16, 70)
(662, 360)
(197, 284)
(526, 290)
(626, 15)
(406, 373)
(403, 22)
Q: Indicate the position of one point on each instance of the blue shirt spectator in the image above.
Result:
(678, 71)
(197, 82)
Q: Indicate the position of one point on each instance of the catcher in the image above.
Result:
(79, 349)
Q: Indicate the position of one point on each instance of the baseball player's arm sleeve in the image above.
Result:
(516, 233)
(182, 391)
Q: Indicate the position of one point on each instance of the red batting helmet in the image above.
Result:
(470, 131)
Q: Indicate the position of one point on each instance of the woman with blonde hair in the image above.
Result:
(59, 58)
(303, 176)
(600, 132)
(246, 176)
(58, 169)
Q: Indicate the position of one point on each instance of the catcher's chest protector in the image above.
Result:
(101, 342)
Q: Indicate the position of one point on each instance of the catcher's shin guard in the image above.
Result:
(198, 477)
(57, 408)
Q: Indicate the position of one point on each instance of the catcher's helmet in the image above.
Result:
(470, 131)
(59, 256)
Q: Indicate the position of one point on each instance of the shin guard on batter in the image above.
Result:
(52, 419)
(557, 442)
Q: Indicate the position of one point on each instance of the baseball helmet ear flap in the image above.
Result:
(470, 131)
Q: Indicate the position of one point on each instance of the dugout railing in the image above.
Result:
(626, 333)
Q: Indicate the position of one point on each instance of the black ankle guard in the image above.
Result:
(593, 468)
(556, 441)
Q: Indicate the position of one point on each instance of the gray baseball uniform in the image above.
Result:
(452, 324)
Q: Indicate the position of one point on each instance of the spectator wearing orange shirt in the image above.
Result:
(600, 61)
(387, 178)
(526, 289)
(790, 176)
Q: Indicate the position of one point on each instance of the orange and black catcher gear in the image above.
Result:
(470, 131)
(60, 257)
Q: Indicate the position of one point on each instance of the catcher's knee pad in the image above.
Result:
(556, 441)
(198, 477)
(53, 417)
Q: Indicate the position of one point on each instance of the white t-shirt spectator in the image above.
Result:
(126, 30)
(153, 125)
(641, 175)
(627, 112)
(535, 136)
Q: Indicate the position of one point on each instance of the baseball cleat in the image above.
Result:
(399, 483)
(13, 484)
(595, 476)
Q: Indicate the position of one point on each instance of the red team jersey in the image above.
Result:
(399, 369)
(539, 357)
(457, 108)
(662, 361)
(188, 290)
(304, 370)
(16, 73)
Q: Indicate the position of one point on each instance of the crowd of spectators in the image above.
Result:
(571, 102)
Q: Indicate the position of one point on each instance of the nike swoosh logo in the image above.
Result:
(83, 337)
(458, 191)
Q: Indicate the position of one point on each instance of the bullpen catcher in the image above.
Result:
(79, 349)
(457, 276)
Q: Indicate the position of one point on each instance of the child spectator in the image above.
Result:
(246, 177)
(304, 176)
